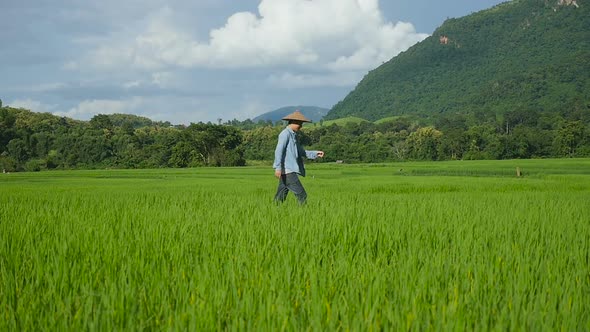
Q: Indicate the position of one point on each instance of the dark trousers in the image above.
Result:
(290, 182)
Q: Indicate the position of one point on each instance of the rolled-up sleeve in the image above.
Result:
(311, 154)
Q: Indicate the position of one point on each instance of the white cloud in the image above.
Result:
(388, 40)
(32, 105)
(291, 80)
(88, 108)
(156, 108)
(332, 35)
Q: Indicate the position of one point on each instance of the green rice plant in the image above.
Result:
(429, 247)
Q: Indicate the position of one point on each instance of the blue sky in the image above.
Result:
(188, 61)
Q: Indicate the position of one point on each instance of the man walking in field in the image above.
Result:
(288, 163)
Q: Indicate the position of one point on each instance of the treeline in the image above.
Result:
(517, 134)
(37, 141)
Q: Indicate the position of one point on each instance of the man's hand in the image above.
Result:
(278, 173)
(321, 154)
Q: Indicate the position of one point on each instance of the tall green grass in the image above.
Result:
(398, 247)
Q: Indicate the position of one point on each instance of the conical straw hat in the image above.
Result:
(296, 116)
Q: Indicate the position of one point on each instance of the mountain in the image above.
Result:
(313, 113)
(522, 54)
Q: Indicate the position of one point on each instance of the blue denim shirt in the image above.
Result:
(289, 153)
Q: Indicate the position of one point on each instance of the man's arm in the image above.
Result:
(313, 154)
(280, 153)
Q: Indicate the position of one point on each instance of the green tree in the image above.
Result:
(424, 143)
(7, 163)
(483, 142)
(184, 155)
(336, 147)
(217, 145)
(101, 121)
(41, 143)
(7, 132)
(19, 150)
(569, 138)
(260, 143)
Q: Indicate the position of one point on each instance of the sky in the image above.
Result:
(189, 61)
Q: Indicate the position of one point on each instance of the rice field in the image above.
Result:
(413, 246)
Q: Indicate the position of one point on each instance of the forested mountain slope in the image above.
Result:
(522, 54)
